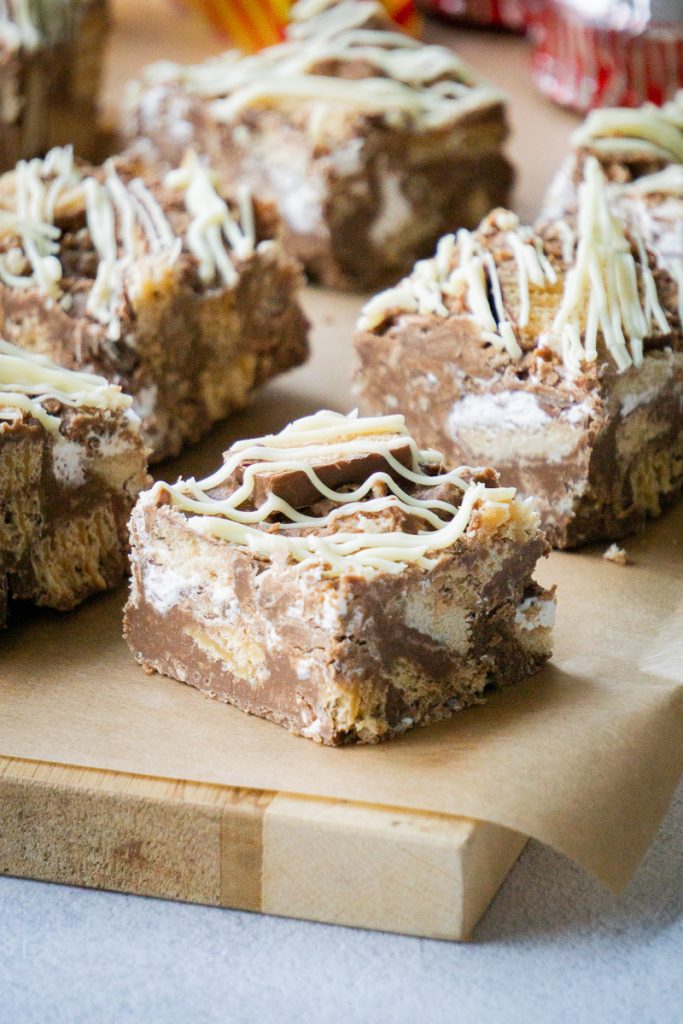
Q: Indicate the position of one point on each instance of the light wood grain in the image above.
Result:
(330, 861)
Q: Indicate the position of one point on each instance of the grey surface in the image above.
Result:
(554, 946)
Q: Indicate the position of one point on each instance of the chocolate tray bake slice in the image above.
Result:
(371, 143)
(72, 462)
(185, 300)
(339, 581)
(554, 354)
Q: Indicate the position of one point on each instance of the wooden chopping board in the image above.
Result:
(334, 861)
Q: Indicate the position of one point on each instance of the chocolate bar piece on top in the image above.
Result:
(72, 462)
(159, 285)
(555, 355)
(371, 143)
(339, 581)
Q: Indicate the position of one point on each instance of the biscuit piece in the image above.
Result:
(556, 356)
(72, 462)
(339, 581)
(371, 143)
(160, 286)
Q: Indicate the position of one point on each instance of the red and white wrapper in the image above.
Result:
(608, 53)
(511, 14)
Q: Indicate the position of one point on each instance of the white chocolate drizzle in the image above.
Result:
(601, 292)
(606, 292)
(213, 225)
(327, 436)
(463, 267)
(32, 222)
(29, 23)
(130, 232)
(405, 80)
(668, 181)
(27, 381)
(654, 132)
(17, 27)
(331, 16)
(619, 131)
(653, 219)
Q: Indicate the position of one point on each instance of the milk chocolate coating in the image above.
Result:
(341, 230)
(598, 491)
(190, 353)
(63, 527)
(600, 453)
(295, 487)
(340, 659)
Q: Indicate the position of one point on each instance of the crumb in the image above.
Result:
(616, 554)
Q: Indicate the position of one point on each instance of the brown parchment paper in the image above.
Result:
(584, 756)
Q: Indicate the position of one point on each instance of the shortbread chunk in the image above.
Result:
(50, 64)
(72, 462)
(555, 355)
(339, 581)
(159, 285)
(371, 143)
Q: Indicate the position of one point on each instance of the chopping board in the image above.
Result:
(336, 861)
(326, 860)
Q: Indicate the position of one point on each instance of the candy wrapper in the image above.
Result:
(608, 53)
(253, 24)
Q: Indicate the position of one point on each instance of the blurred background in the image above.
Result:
(583, 53)
(578, 53)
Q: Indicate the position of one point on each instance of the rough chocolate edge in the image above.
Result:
(160, 643)
(258, 329)
(61, 507)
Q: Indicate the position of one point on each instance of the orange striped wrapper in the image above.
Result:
(253, 24)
